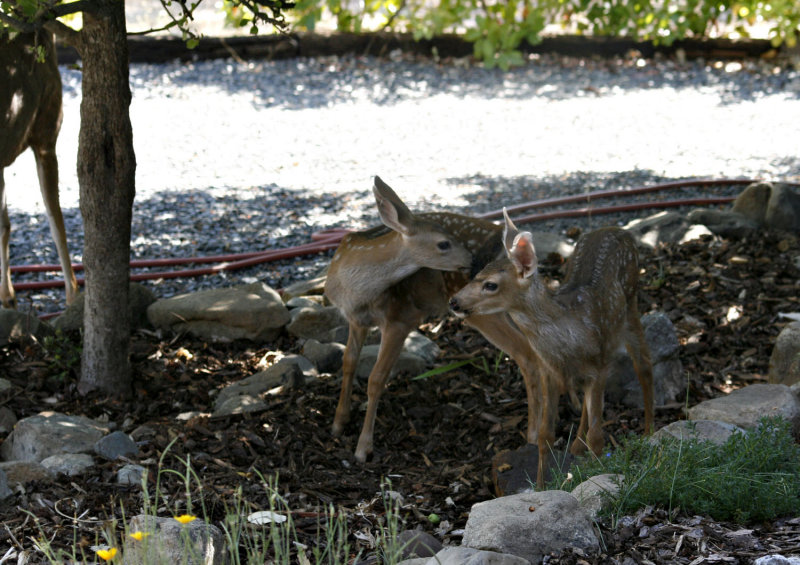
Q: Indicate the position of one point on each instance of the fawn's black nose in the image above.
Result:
(457, 309)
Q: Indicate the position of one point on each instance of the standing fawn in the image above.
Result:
(393, 277)
(30, 116)
(575, 330)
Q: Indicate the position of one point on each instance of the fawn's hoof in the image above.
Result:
(363, 451)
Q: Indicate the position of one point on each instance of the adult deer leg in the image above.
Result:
(352, 351)
(393, 334)
(504, 334)
(7, 296)
(47, 167)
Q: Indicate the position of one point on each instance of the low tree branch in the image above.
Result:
(16, 24)
(64, 33)
(71, 8)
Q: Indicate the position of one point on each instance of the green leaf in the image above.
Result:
(443, 369)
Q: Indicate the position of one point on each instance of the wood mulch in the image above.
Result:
(435, 438)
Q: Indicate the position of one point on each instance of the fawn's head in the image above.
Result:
(495, 287)
(424, 241)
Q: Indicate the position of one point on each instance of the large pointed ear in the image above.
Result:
(510, 231)
(394, 214)
(519, 248)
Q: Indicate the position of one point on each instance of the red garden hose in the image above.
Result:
(329, 239)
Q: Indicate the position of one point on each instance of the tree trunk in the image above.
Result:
(106, 168)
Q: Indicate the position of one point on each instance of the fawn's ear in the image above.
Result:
(394, 214)
(519, 248)
(510, 231)
(523, 255)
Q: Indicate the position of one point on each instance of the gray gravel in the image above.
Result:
(235, 157)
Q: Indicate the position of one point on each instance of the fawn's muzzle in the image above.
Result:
(456, 308)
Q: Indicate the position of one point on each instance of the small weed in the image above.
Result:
(480, 363)
(252, 535)
(63, 356)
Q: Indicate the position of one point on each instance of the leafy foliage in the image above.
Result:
(30, 15)
(498, 28)
(753, 476)
(64, 354)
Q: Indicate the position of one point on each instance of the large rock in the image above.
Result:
(417, 356)
(5, 492)
(746, 406)
(416, 543)
(315, 322)
(752, 202)
(724, 223)
(70, 464)
(784, 363)
(547, 243)
(668, 378)
(407, 363)
(775, 206)
(327, 357)
(514, 471)
(469, 556)
(313, 286)
(139, 299)
(169, 541)
(783, 208)
(245, 395)
(665, 227)
(700, 430)
(530, 525)
(7, 420)
(254, 311)
(37, 437)
(593, 493)
(116, 445)
(15, 326)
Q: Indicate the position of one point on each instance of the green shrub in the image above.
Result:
(498, 28)
(753, 476)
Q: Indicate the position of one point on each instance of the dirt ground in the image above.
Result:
(435, 438)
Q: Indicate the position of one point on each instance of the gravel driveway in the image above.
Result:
(236, 157)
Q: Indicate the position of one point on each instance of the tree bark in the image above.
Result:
(106, 173)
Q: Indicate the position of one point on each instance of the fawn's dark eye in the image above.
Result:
(443, 245)
(490, 286)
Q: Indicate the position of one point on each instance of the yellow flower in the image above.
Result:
(107, 554)
(139, 536)
(185, 518)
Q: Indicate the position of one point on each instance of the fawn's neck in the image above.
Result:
(555, 330)
(366, 269)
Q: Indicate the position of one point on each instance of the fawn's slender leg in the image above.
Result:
(47, 167)
(547, 422)
(504, 334)
(594, 411)
(352, 351)
(392, 337)
(6, 289)
(640, 354)
(578, 446)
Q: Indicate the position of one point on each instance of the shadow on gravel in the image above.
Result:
(303, 84)
(206, 222)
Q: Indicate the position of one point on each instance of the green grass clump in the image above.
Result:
(753, 476)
